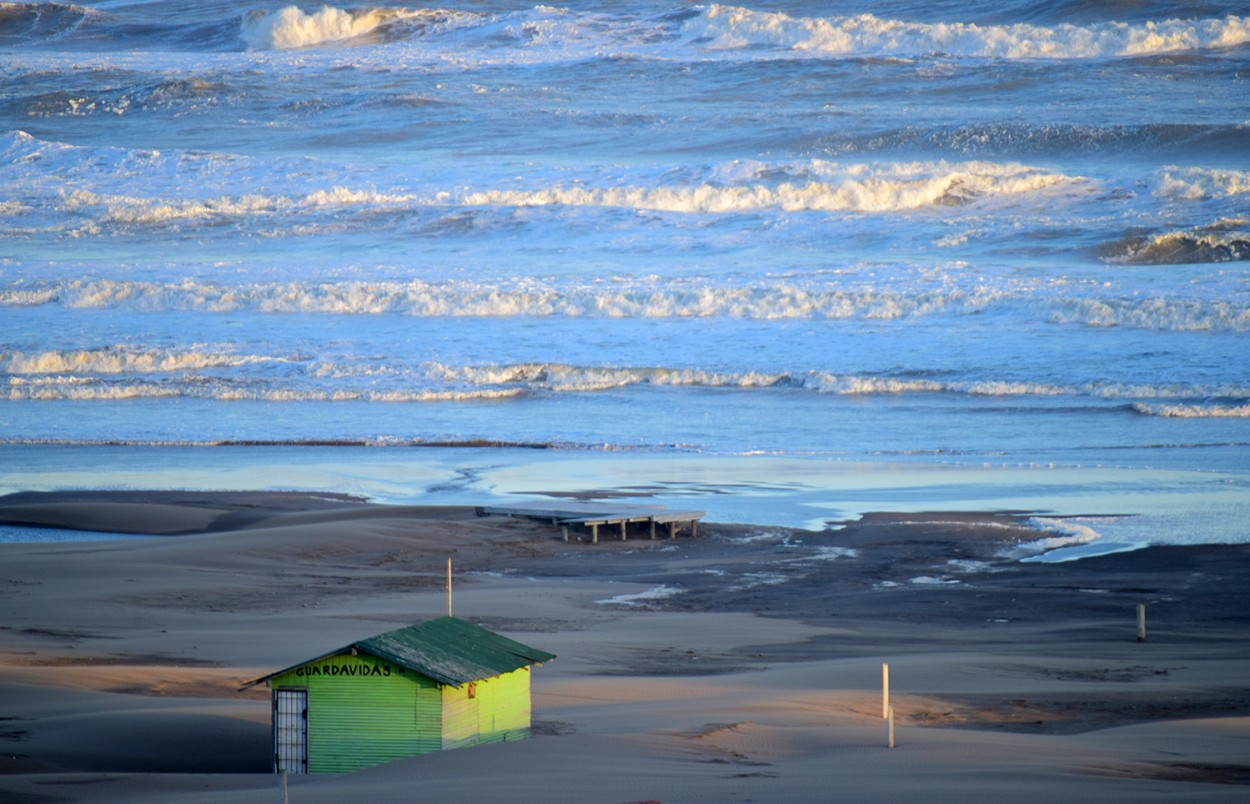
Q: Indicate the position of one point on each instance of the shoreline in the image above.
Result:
(796, 491)
(758, 677)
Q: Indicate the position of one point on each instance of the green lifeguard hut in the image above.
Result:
(440, 684)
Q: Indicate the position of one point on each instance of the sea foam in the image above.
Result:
(1226, 240)
(290, 27)
(869, 188)
(723, 27)
(1197, 184)
(118, 360)
(123, 372)
(548, 34)
(854, 188)
(1193, 411)
(686, 297)
(1067, 533)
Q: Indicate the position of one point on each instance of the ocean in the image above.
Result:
(786, 262)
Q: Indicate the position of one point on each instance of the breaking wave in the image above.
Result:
(557, 377)
(88, 389)
(1193, 411)
(289, 28)
(673, 299)
(1224, 241)
(1199, 184)
(559, 33)
(120, 360)
(40, 22)
(723, 27)
(868, 188)
(133, 210)
(1171, 314)
(127, 373)
(625, 298)
(545, 33)
(862, 188)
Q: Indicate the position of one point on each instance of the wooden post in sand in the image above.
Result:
(889, 729)
(1141, 622)
(885, 690)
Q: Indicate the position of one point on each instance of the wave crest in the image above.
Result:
(39, 22)
(155, 211)
(119, 360)
(829, 187)
(1193, 411)
(290, 28)
(628, 298)
(1200, 184)
(223, 374)
(882, 188)
(723, 27)
(1224, 241)
(677, 299)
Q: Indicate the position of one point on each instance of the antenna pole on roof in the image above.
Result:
(448, 586)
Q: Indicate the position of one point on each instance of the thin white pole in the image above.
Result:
(885, 690)
(449, 586)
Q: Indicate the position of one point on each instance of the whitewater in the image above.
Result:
(787, 262)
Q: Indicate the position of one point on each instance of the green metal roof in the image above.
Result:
(452, 651)
(448, 650)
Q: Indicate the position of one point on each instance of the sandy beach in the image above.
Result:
(743, 664)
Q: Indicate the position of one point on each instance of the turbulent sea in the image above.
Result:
(787, 246)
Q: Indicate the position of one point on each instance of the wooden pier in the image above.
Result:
(596, 515)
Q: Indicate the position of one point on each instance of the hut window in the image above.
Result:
(473, 689)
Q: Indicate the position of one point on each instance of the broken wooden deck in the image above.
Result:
(596, 515)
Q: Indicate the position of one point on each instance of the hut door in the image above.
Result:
(290, 731)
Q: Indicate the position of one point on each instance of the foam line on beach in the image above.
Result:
(1068, 533)
(641, 598)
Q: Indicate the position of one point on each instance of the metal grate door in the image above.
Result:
(290, 731)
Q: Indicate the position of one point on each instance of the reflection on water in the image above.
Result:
(18, 533)
(1104, 505)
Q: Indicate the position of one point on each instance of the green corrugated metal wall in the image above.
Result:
(357, 720)
(500, 711)
(363, 710)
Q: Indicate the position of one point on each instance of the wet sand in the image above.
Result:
(744, 664)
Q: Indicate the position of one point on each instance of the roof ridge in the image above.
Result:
(448, 649)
